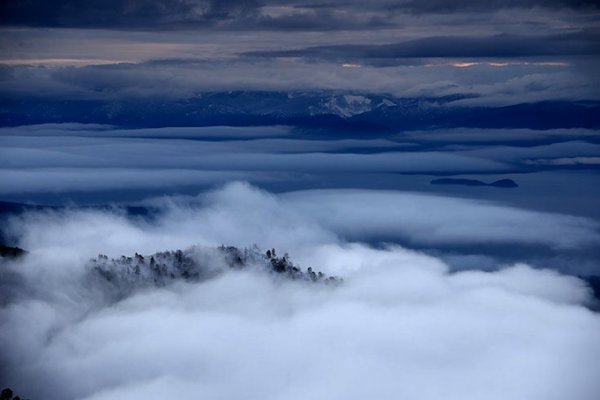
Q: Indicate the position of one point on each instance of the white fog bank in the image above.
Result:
(400, 325)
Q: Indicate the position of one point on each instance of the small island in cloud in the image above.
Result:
(501, 183)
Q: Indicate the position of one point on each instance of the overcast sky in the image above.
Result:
(498, 50)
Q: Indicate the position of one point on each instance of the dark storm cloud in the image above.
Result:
(444, 6)
(156, 14)
(521, 54)
(165, 14)
(236, 14)
(503, 45)
(188, 14)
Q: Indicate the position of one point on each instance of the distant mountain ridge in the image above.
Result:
(310, 110)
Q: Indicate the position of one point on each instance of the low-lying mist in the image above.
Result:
(398, 324)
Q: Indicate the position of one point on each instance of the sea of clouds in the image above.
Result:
(400, 325)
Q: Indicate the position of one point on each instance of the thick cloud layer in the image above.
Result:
(60, 158)
(400, 325)
(437, 220)
(482, 82)
(359, 215)
(54, 164)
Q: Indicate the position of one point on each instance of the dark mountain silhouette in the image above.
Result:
(505, 183)
(7, 394)
(17, 208)
(11, 252)
(593, 283)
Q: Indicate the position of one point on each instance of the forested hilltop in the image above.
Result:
(196, 264)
